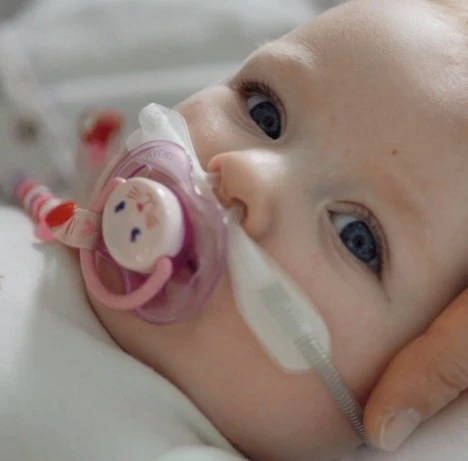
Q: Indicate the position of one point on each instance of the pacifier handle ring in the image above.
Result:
(137, 298)
(140, 296)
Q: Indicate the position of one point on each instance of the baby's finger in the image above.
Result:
(427, 375)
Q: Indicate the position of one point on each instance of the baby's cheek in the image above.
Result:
(363, 342)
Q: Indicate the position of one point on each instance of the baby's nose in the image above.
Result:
(252, 179)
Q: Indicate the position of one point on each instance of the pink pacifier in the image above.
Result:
(153, 223)
(143, 229)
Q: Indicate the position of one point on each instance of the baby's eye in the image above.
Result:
(134, 234)
(264, 106)
(265, 114)
(119, 207)
(359, 239)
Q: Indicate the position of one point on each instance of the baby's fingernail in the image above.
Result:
(397, 428)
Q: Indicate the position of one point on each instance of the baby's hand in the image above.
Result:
(426, 376)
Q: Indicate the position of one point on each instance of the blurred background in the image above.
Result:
(62, 58)
(10, 7)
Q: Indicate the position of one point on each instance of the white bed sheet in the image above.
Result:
(67, 391)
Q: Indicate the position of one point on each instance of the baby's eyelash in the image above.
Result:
(372, 222)
(247, 87)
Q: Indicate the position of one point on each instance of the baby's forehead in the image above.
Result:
(380, 50)
(401, 61)
(411, 33)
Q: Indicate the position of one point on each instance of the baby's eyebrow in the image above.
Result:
(293, 55)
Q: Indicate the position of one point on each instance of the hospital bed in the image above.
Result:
(61, 58)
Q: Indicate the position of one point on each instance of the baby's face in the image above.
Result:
(347, 142)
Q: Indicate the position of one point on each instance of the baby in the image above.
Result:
(345, 142)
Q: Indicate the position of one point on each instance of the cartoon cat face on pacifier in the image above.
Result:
(142, 220)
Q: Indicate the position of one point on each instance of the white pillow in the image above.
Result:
(67, 391)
